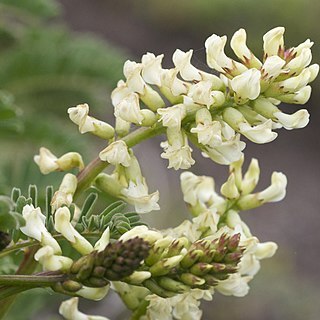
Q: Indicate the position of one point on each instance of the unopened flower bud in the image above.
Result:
(229, 188)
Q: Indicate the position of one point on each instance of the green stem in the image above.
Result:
(89, 173)
(30, 280)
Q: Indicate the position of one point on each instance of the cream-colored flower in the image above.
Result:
(170, 80)
(276, 191)
(128, 109)
(196, 188)
(296, 120)
(151, 68)
(46, 161)
(158, 308)
(273, 42)
(217, 59)
(52, 262)
(63, 225)
(235, 285)
(132, 72)
(272, 68)
(227, 152)
(137, 194)
(182, 62)
(119, 93)
(104, 240)
(80, 116)
(143, 232)
(64, 195)
(95, 294)
(177, 150)
(202, 93)
(239, 46)
(35, 228)
(69, 310)
(246, 85)
(172, 116)
(116, 153)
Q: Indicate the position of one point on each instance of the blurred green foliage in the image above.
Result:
(44, 69)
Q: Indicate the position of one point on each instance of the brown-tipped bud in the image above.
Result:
(201, 268)
(220, 254)
(233, 243)
(5, 239)
(71, 286)
(233, 257)
(176, 246)
(191, 258)
(208, 256)
(192, 280)
(217, 267)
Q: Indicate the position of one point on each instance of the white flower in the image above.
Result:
(294, 84)
(251, 177)
(300, 97)
(158, 308)
(151, 68)
(296, 120)
(80, 116)
(177, 150)
(143, 232)
(35, 228)
(63, 225)
(172, 116)
(132, 72)
(116, 153)
(128, 109)
(217, 59)
(208, 132)
(202, 93)
(239, 46)
(64, 195)
(246, 85)
(261, 133)
(46, 161)
(227, 152)
(170, 80)
(229, 188)
(276, 191)
(301, 61)
(196, 188)
(119, 93)
(273, 42)
(182, 62)
(69, 310)
(272, 67)
(51, 262)
(137, 277)
(95, 294)
(137, 194)
(235, 285)
(104, 240)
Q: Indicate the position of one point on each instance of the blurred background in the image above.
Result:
(55, 54)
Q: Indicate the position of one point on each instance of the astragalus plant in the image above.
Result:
(77, 249)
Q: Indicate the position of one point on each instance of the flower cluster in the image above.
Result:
(213, 111)
(167, 272)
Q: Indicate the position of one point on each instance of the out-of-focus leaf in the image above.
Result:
(9, 219)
